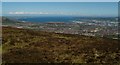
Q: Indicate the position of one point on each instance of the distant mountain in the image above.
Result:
(8, 21)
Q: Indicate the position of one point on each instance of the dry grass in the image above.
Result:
(28, 46)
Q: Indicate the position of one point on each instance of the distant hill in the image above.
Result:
(8, 21)
(29, 46)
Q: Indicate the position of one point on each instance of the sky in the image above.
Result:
(0, 8)
(60, 8)
(60, 0)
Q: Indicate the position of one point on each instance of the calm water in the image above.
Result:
(58, 18)
(49, 19)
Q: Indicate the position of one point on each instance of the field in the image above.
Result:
(32, 46)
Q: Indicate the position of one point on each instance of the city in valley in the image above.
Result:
(100, 27)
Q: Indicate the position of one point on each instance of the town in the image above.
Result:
(100, 27)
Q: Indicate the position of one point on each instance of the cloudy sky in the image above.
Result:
(60, 8)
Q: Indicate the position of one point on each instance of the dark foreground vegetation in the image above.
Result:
(30, 46)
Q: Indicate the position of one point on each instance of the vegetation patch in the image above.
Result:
(30, 46)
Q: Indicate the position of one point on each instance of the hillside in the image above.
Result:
(30, 46)
(8, 21)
